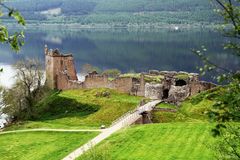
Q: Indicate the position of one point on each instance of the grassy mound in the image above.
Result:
(80, 109)
(194, 109)
(41, 145)
(156, 141)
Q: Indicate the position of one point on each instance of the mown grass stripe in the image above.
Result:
(41, 145)
(159, 142)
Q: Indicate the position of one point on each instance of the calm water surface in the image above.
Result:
(126, 50)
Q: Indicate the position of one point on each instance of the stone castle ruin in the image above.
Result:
(169, 86)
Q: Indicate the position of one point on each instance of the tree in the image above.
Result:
(20, 99)
(15, 40)
(226, 110)
(229, 101)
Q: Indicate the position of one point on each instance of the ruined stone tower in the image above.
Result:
(59, 69)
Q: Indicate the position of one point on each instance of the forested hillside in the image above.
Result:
(117, 12)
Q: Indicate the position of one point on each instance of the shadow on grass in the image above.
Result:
(56, 106)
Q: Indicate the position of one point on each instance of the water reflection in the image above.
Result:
(126, 50)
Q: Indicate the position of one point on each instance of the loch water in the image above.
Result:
(128, 50)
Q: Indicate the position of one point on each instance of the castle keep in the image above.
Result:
(59, 69)
(169, 86)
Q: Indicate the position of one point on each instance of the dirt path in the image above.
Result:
(53, 130)
(125, 121)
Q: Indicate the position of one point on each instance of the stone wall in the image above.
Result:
(123, 84)
(146, 118)
(199, 86)
(96, 81)
(141, 90)
(154, 91)
(102, 81)
(178, 93)
(64, 83)
(176, 86)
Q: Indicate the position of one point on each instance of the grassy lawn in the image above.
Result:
(76, 109)
(157, 142)
(41, 145)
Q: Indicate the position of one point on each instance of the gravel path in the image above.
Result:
(54, 130)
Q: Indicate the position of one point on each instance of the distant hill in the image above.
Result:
(117, 12)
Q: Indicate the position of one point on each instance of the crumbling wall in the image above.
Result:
(178, 93)
(122, 84)
(64, 83)
(175, 86)
(153, 91)
(141, 91)
(199, 86)
(101, 81)
(96, 81)
(75, 84)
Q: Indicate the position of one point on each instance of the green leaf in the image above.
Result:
(3, 34)
(19, 18)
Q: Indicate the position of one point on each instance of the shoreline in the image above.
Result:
(131, 27)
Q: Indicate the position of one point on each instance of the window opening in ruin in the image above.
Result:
(181, 82)
(165, 94)
(61, 62)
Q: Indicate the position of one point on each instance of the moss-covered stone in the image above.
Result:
(156, 79)
(130, 75)
(182, 76)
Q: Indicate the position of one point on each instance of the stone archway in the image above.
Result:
(180, 82)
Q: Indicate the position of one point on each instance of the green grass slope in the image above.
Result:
(79, 109)
(156, 142)
(184, 134)
(194, 109)
(41, 145)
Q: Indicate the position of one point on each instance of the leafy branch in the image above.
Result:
(15, 40)
(226, 110)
